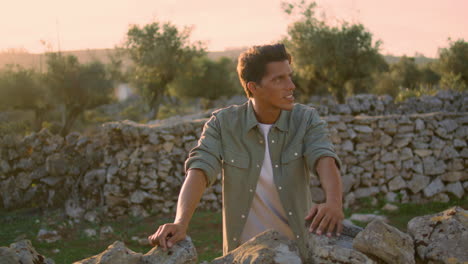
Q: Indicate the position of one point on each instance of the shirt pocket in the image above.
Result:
(292, 154)
(235, 159)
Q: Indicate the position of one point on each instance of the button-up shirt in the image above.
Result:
(231, 141)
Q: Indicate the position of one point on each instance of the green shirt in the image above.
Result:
(231, 141)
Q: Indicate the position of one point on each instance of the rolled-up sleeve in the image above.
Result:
(318, 143)
(207, 154)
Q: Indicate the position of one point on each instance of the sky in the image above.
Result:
(404, 26)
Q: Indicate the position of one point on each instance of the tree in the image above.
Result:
(385, 84)
(406, 73)
(341, 59)
(77, 87)
(159, 53)
(208, 79)
(453, 61)
(24, 89)
(429, 77)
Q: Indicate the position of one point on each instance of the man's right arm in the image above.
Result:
(190, 194)
(202, 166)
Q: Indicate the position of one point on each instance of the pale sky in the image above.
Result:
(404, 26)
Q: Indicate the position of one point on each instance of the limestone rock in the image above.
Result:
(22, 252)
(139, 196)
(23, 180)
(363, 129)
(106, 231)
(48, 236)
(441, 237)
(385, 242)
(9, 193)
(117, 253)
(366, 192)
(391, 197)
(454, 176)
(8, 256)
(434, 187)
(455, 188)
(56, 165)
(366, 218)
(433, 166)
(396, 183)
(73, 208)
(440, 198)
(268, 247)
(323, 249)
(390, 207)
(94, 178)
(183, 252)
(418, 183)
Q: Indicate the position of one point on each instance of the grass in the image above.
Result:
(405, 212)
(205, 229)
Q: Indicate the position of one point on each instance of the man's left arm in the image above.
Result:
(323, 161)
(327, 217)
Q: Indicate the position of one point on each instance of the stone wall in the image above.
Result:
(44, 170)
(370, 104)
(137, 169)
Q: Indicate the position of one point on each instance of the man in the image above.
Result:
(265, 148)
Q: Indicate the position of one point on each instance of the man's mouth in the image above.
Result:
(290, 97)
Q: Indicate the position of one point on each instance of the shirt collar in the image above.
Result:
(282, 123)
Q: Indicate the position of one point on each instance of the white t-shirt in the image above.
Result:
(266, 211)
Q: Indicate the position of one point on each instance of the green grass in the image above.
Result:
(405, 212)
(205, 229)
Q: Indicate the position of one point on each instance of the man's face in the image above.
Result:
(275, 90)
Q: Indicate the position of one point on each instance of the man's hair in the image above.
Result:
(251, 65)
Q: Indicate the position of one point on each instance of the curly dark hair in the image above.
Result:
(251, 65)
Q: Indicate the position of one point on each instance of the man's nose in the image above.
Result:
(291, 85)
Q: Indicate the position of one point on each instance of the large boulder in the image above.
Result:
(268, 247)
(382, 241)
(441, 237)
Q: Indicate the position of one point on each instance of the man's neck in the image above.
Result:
(265, 115)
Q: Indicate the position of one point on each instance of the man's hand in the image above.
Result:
(167, 235)
(327, 217)
(192, 190)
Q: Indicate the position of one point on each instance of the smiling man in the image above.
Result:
(266, 149)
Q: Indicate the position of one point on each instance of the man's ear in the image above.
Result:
(252, 86)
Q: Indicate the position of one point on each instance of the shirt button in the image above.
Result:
(280, 188)
(235, 239)
(258, 165)
(261, 141)
(297, 236)
(243, 216)
(290, 213)
(272, 141)
(250, 190)
(232, 161)
(276, 166)
(295, 154)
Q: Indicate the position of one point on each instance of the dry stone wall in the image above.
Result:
(370, 104)
(135, 169)
(45, 170)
